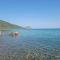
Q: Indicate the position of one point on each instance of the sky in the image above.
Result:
(34, 13)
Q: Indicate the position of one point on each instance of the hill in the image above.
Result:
(6, 25)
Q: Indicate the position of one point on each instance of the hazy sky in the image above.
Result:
(34, 13)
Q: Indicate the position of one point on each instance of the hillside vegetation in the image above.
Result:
(6, 25)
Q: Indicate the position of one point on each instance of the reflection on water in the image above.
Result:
(29, 45)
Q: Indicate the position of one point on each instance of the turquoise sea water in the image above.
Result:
(42, 41)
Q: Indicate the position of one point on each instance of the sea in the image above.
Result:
(33, 44)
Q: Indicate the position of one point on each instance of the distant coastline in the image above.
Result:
(7, 26)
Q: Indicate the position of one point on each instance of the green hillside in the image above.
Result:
(6, 25)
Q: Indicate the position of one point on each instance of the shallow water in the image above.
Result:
(42, 44)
